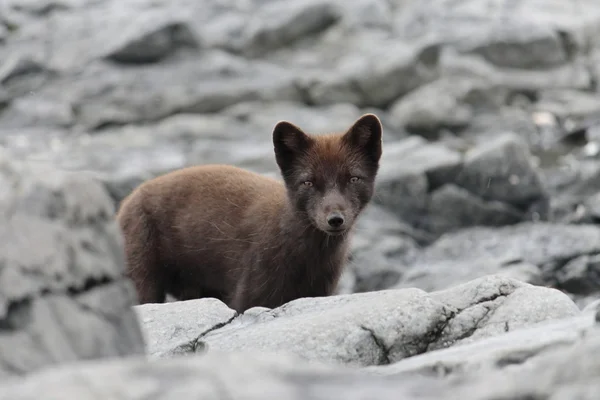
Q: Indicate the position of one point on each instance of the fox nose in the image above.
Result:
(335, 219)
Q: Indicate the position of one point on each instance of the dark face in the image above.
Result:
(330, 179)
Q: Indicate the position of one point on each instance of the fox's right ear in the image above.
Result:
(289, 142)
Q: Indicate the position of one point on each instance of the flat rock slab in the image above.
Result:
(374, 328)
(564, 372)
(62, 293)
(498, 352)
(180, 322)
(214, 376)
(548, 254)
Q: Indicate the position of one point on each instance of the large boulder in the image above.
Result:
(373, 328)
(63, 296)
(549, 254)
(438, 189)
(557, 362)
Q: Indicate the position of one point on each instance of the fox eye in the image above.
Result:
(354, 179)
(307, 183)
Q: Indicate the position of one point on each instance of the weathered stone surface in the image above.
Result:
(541, 253)
(374, 77)
(246, 375)
(141, 47)
(62, 293)
(445, 103)
(560, 357)
(410, 169)
(379, 244)
(280, 24)
(497, 352)
(179, 323)
(452, 207)
(502, 170)
(437, 189)
(374, 328)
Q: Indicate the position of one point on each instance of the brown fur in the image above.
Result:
(224, 232)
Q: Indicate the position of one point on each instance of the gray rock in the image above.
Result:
(379, 327)
(358, 329)
(572, 368)
(513, 43)
(278, 24)
(366, 14)
(20, 75)
(449, 102)
(565, 369)
(495, 304)
(575, 187)
(375, 76)
(539, 243)
(410, 169)
(512, 349)
(180, 322)
(437, 162)
(568, 103)
(475, 368)
(522, 45)
(432, 188)
(380, 248)
(148, 46)
(316, 120)
(502, 170)
(34, 111)
(72, 38)
(451, 208)
(42, 7)
(62, 294)
(592, 307)
(540, 253)
(209, 82)
(214, 376)
(403, 193)
(487, 125)
(580, 275)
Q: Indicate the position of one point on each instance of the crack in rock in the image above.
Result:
(17, 315)
(197, 345)
(476, 322)
(436, 335)
(441, 338)
(503, 291)
(385, 351)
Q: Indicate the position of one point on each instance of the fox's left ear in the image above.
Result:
(365, 133)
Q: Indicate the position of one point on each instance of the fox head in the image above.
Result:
(329, 178)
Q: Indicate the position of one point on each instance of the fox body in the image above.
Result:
(246, 239)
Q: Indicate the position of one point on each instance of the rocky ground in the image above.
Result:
(475, 272)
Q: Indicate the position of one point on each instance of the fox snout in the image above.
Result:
(335, 221)
(335, 215)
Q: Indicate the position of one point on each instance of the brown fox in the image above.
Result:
(246, 239)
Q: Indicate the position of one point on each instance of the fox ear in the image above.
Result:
(365, 134)
(289, 142)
